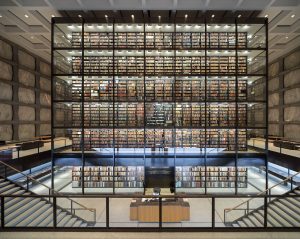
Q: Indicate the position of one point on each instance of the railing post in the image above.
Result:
(5, 171)
(247, 207)
(224, 217)
(213, 208)
(27, 183)
(54, 213)
(291, 183)
(107, 212)
(71, 206)
(265, 211)
(2, 212)
(160, 212)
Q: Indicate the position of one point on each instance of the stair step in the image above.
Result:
(289, 204)
(6, 188)
(259, 218)
(16, 205)
(282, 213)
(288, 212)
(241, 223)
(247, 222)
(45, 220)
(12, 190)
(4, 183)
(64, 220)
(37, 216)
(71, 222)
(12, 200)
(77, 223)
(83, 224)
(253, 220)
(281, 222)
(294, 201)
(270, 221)
(22, 212)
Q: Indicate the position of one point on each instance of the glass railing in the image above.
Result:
(141, 212)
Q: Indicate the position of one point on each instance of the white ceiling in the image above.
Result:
(33, 32)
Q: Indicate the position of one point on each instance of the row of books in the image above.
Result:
(166, 114)
(159, 138)
(162, 65)
(122, 176)
(139, 40)
(211, 177)
(155, 90)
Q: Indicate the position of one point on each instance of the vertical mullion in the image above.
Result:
(144, 103)
(266, 122)
(114, 127)
(205, 105)
(52, 104)
(236, 106)
(82, 103)
(174, 100)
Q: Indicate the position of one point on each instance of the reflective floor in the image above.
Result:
(110, 235)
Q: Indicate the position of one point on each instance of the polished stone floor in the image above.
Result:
(162, 235)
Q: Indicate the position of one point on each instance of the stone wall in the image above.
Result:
(25, 94)
(284, 97)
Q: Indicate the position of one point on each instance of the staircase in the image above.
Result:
(32, 211)
(281, 212)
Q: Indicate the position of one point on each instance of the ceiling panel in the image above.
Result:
(14, 23)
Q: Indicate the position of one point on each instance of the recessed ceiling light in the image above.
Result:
(213, 15)
(185, 15)
(52, 15)
(26, 15)
(293, 16)
(159, 16)
(0, 16)
(105, 16)
(286, 37)
(266, 15)
(132, 16)
(79, 15)
(239, 16)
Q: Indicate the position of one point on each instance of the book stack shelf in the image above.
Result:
(108, 177)
(143, 88)
(211, 177)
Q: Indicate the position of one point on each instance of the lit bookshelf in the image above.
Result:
(144, 88)
(211, 177)
(108, 176)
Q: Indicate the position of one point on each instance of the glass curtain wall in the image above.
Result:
(187, 96)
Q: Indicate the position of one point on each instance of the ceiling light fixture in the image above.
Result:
(293, 16)
(105, 16)
(266, 15)
(0, 16)
(132, 16)
(26, 15)
(52, 15)
(286, 37)
(212, 16)
(239, 16)
(185, 15)
(79, 15)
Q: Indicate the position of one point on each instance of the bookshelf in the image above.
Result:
(211, 177)
(108, 177)
(139, 88)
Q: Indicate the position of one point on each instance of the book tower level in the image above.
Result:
(189, 95)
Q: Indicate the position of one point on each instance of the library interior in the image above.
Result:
(149, 119)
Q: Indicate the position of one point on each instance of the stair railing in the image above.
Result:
(52, 191)
(247, 202)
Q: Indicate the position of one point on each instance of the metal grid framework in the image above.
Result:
(236, 155)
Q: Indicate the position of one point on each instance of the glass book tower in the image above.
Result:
(187, 97)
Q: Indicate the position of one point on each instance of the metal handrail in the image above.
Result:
(263, 192)
(93, 210)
